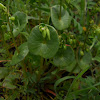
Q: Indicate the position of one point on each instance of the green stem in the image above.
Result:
(11, 30)
(24, 69)
(60, 10)
(86, 38)
(5, 44)
(40, 70)
(48, 20)
(21, 40)
(52, 68)
(40, 11)
(14, 42)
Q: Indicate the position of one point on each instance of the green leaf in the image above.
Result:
(83, 5)
(34, 18)
(73, 68)
(97, 57)
(7, 36)
(75, 4)
(64, 21)
(43, 47)
(33, 59)
(15, 95)
(74, 81)
(1, 98)
(3, 72)
(93, 43)
(64, 57)
(8, 81)
(9, 85)
(88, 88)
(44, 9)
(20, 22)
(97, 97)
(25, 34)
(23, 51)
(87, 58)
(59, 81)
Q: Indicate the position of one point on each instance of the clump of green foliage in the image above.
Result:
(49, 50)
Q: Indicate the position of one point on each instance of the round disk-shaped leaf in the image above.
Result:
(60, 21)
(64, 57)
(23, 51)
(43, 46)
(73, 67)
(86, 60)
(20, 22)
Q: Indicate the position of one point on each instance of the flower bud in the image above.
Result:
(48, 33)
(3, 26)
(12, 18)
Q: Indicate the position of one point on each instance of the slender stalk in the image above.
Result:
(92, 72)
(40, 70)
(40, 11)
(5, 44)
(86, 37)
(52, 68)
(23, 68)
(21, 40)
(48, 20)
(60, 10)
(14, 42)
(11, 30)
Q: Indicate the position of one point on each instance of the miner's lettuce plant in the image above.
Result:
(49, 47)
